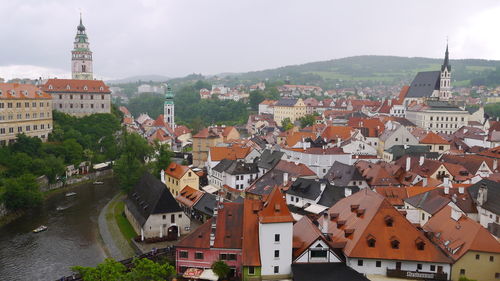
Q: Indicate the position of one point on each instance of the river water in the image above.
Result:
(72, 237)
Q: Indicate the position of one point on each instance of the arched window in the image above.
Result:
(84, 68)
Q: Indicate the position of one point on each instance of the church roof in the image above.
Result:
(75, 86)
(424, 84)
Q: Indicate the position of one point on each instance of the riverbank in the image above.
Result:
(114, 242)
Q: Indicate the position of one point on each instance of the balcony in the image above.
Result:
(416, 275)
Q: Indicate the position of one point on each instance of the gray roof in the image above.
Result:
(398, 151)
(325, 272)
(307, 188)
(286, 102)
(430, 201)
(150, 196)
(206, 204)
(268, 159)
(236, 167)
(443, 105)
(333, 194)
(424, 84)
(492, 203)
(341, 174)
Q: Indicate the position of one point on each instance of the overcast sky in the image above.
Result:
(176, 38)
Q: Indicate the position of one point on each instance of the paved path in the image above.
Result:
(115, 245)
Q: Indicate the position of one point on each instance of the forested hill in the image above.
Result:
(370, 70)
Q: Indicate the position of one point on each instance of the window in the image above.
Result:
(180, 215)
(395, 244)
(198, 256)
(251, 270)
(102, 105)
(371, 242)
(396, 139)
(2, 131)
(231, 257)
(223, 257)
(1, 105)
(276, 238)
(419, 266)
(183, 254)
(462, 271)
(276, 253)
(360, 262)
(423, 216)
(441, 147)
(276, 269)
(477, 257)
(172, 218)
(102, 97)
(497, 275)
(320, 253)
(164, 217)
(378, 264)
(433, 267)
(492, 258)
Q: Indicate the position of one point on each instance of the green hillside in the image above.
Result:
(373, 70)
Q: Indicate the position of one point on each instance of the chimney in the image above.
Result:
(338, 142)
(424, 182)
(324, 228)
(408, 163)
(406, 146)
(347, 192)
(465, 131)
(322, 186)
(389, 102)
(446, 190)
(482, 195)
(461, 190)
(285, 178)
(421, 160)
(446, 182)
(162, 176)
(495, 165)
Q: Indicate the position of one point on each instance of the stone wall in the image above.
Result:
(45, 186)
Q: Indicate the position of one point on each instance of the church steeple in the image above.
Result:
(81, 56)
(446, 62)
(169, 108)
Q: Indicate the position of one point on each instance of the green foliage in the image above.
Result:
(163, 157)
(28, 145)
(286, 124)
(73, 151)
(492, 109)
(307, 120)
(221, 269)
(142, 269)
(256, 97)
(131, 164)
(149, 103)
(22, 192)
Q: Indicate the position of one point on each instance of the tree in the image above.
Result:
(256, 97)
(163, 157)
(145, 269)
(463, 278)
(28, 145)
(22, 193)
(221, 269)
(54, 167)
(108, 270)
(307, 120)
(73, 151)
(131, 164)
(286, 124)
(19, 163)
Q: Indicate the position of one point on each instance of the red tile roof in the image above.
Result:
(176, 170)
(457, 237)
(250, 251)
(181, 130)
(21, 91)
(234, 152)
(75, 86)
(189, 196)
(331, 133)
(433, 138)
(275, 209)
(379, 220)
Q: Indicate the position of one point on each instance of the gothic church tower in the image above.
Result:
(168, 108)
(81, 56)
(445, 84)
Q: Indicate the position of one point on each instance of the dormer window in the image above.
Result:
(68, 87)
(360, 212)
(394, 243)
(370, 239)
(13, 93)
(25, 93)
(420, 244)
(101, 88)
(334, 216)
(389, 221)
(340, 223)
(85, 88)
(354, 207)
(348, 232)
(50, 87)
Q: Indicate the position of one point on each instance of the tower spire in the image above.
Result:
(446, 62)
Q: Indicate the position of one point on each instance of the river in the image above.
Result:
(72, 237)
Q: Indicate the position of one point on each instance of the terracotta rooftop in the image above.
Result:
(189, 196)
(250, 251)
(456, 236)
(433, 138)
(381, 223)
(331, 133)
(75, 86)
(21, 91)
(275, 209)
(176, 170)
(217, 153)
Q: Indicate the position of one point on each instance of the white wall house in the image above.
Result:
(318, 163)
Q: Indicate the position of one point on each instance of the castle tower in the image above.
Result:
(445, 85)
(169, 108)
(81, 56)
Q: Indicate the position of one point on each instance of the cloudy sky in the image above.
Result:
(176, 38)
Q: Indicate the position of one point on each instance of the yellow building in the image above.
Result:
(24, 109)
(289, 108)
(177, 176)
(475, 252)
(210, 137)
